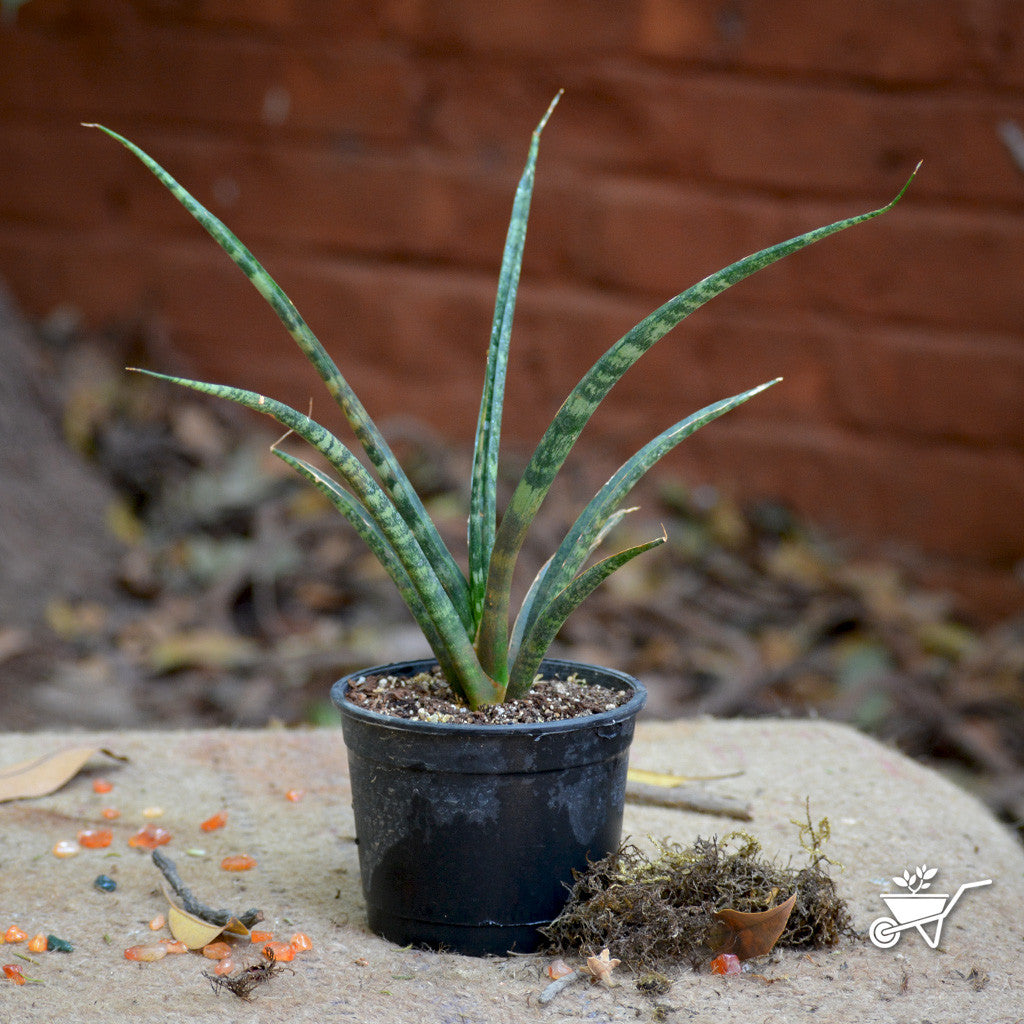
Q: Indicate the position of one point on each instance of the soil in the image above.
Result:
(427, 697)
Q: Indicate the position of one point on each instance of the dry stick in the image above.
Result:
(192, 905)
(556, 986)
(688, 798)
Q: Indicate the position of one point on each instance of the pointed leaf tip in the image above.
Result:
(548, 113)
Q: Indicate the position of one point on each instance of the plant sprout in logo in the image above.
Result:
(915, 908)
(918, 881)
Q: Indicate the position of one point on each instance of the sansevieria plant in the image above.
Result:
(485, 655)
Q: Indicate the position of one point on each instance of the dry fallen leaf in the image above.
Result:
(666, 781)
(749, 935)
(193, 931)
(600, 968)
(43, 775)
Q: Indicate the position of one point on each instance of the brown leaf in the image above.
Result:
(42, 775)
(749, 935)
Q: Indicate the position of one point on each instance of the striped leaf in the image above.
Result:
(375, 540)
(468, 678)
(483, 500)
(580, 405)
(526, 614)
(593, 521)
(548, 623)
(391, 474)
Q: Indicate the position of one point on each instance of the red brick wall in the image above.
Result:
(368, 150)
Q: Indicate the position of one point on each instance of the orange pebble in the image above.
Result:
(558, 969)
(145, 954)
(261, 936)
(95, 838)
(157, 923)
(110, 813)
(150, 837)
(240, 862)
(295, 795)
(13, 971)
(219, 820)
(174, 945)
(216, 950)
(37, 944)
(301, 942)
(225, 966)
(15, 934)
(102, 786)
(280, 951)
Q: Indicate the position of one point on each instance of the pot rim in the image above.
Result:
(614, 716)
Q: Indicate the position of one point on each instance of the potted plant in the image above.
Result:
(468, 834)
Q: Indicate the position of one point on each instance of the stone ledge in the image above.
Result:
(886, 812)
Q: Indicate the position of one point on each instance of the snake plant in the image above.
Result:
(486, 656)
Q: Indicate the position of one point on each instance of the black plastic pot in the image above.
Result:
(469, 834)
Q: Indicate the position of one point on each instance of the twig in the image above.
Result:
(192, 905)
(688, 798)
(557, 986)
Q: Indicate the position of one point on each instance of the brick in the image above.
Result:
(947, 500)
(780, 137)
(967, 388)
(807, 138)
(886, 41)
(415, 207)
(348, 91)
(534, 28)
(94, 273)
(909, 265)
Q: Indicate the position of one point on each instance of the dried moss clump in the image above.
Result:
(657, 912)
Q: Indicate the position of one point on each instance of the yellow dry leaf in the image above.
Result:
(192, 930)
(666, 781)
(46, 774)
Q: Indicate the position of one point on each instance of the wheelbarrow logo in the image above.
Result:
(916, 908)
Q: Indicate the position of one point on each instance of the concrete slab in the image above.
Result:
(887, 813)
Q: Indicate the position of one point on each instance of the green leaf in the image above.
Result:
(593, 521)
(526, 610)
(392, 476)
(468, 678)
(579, 406)
(544, 630)
(375, 540)
(483, 500)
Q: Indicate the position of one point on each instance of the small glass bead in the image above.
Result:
(95, 838)
(104, 883)
(65, 848)
(150, 837)
(240, 862)
(280, 951)
(219, 820)
(145, 954)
